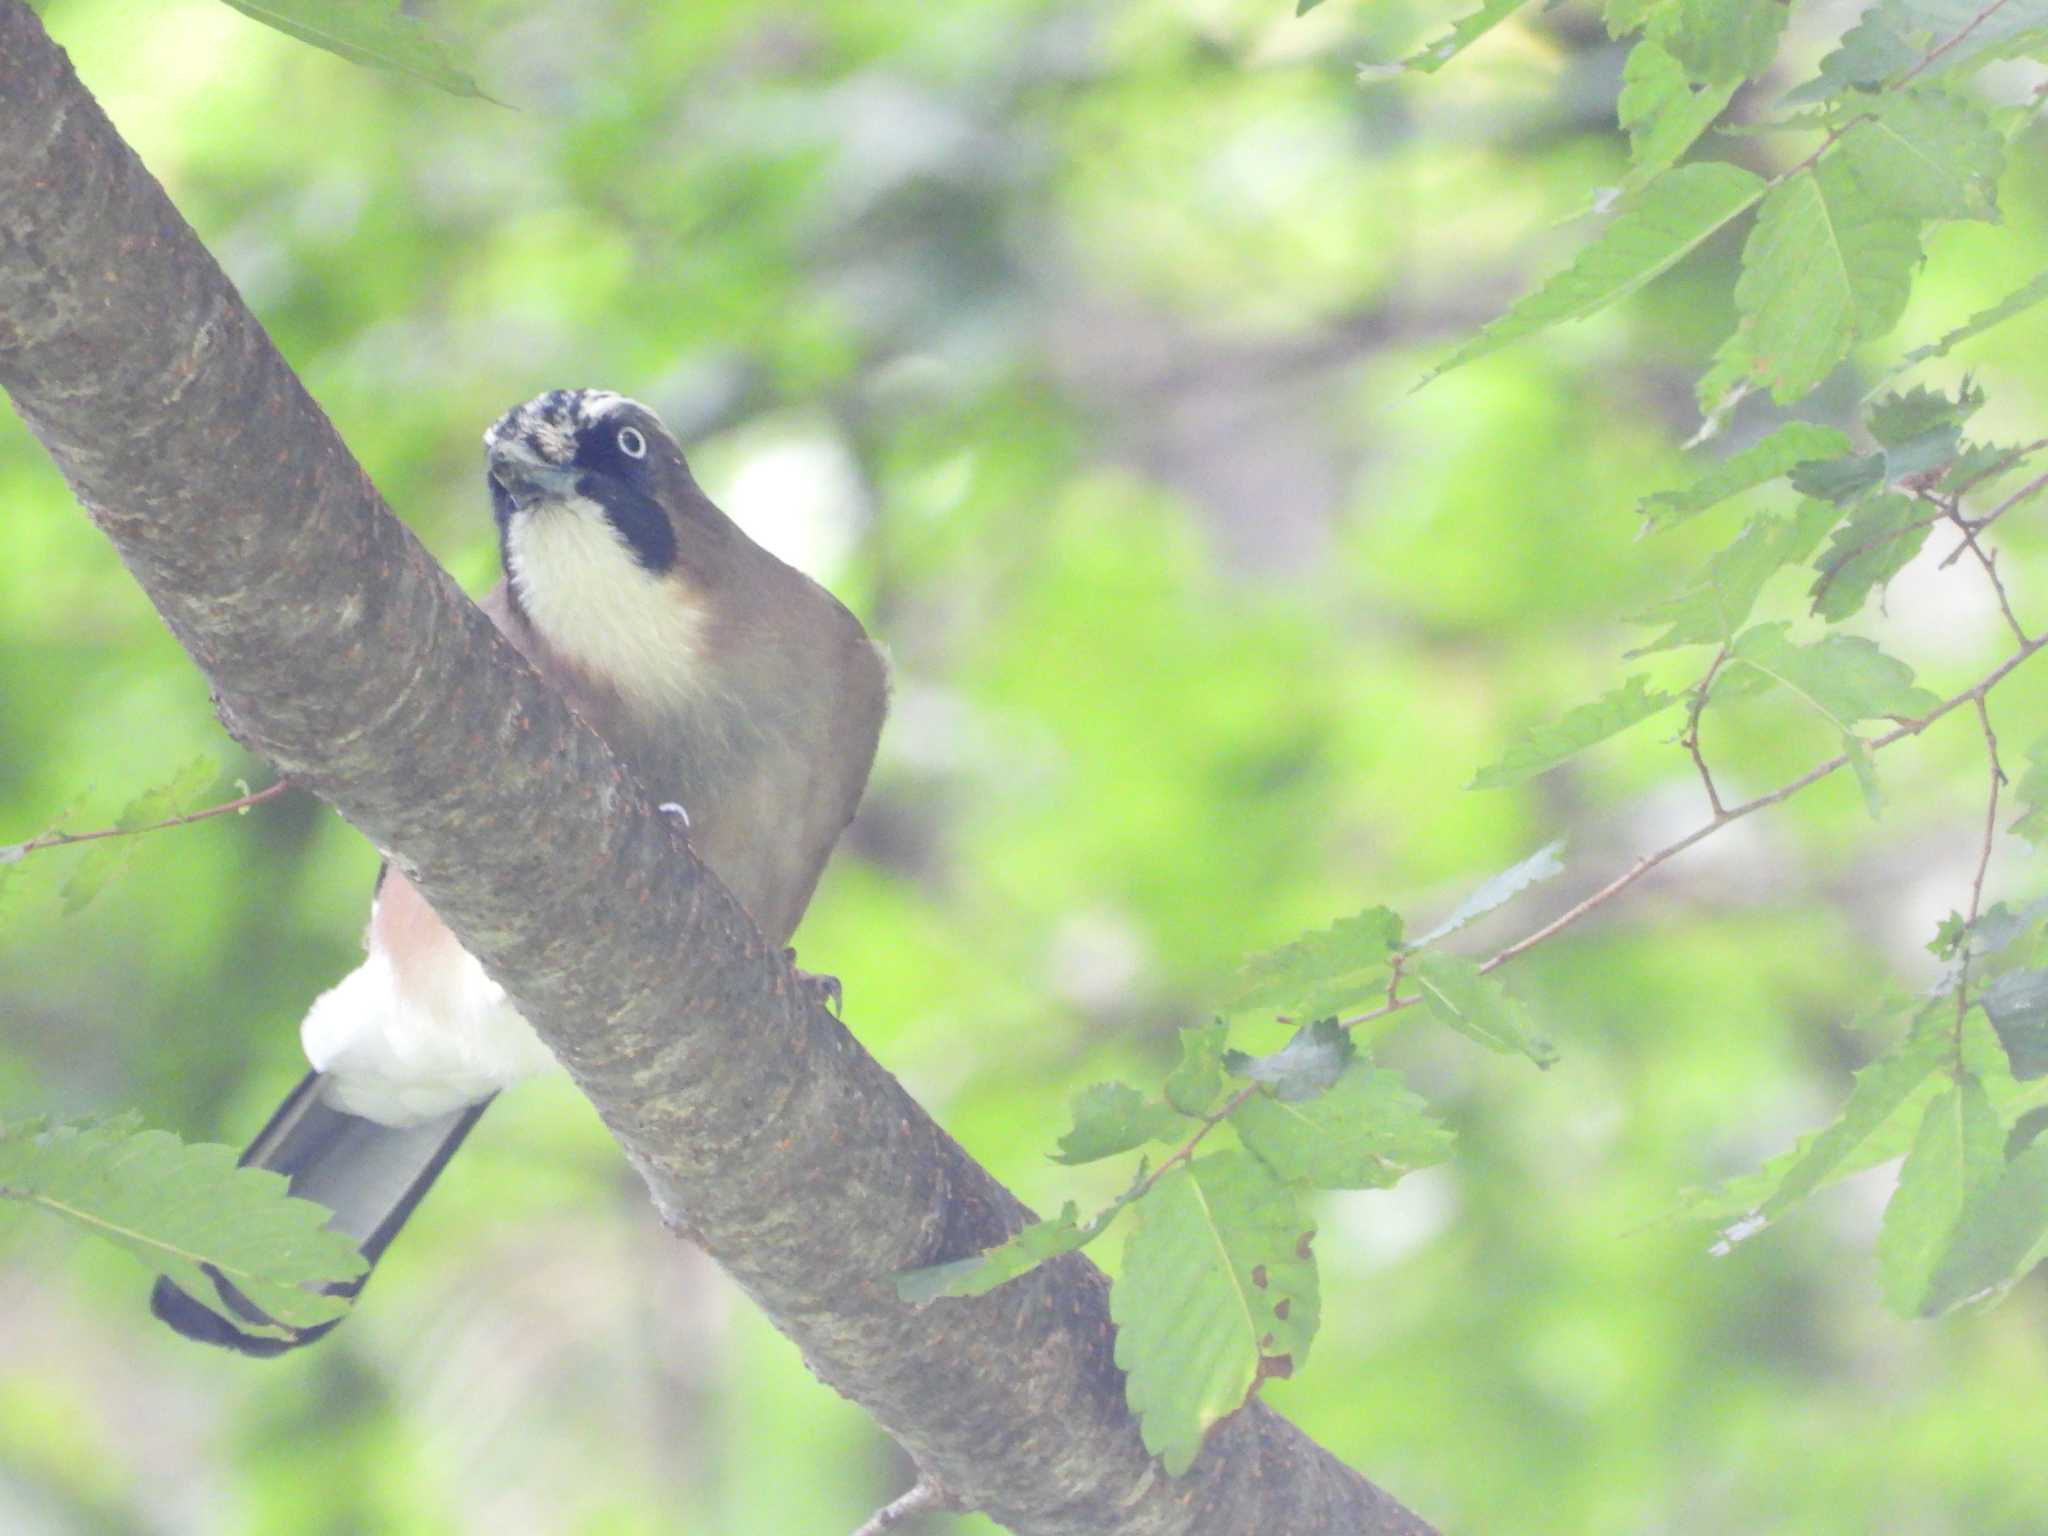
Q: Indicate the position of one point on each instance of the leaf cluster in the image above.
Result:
(1963, 1095)
(186, 1210)
(1217, 1290)
(1861, 518)
(1838, 234)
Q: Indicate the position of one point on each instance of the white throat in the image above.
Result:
(598, 607)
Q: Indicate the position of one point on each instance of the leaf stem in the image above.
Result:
(14, 852)
(1186, 1149)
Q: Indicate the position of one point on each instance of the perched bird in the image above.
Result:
(739, 690)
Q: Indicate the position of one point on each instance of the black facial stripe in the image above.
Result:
(638, 517)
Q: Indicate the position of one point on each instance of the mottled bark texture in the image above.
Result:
(341, 652)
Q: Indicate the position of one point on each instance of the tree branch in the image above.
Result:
(341, 652)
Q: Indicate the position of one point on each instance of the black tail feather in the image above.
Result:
(371, 1176)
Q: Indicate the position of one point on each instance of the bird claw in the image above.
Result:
(822, 989)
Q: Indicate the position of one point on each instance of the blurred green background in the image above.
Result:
(1071, 344)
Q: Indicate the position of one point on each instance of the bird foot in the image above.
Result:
(822, 989)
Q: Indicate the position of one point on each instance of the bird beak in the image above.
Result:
(526, 477)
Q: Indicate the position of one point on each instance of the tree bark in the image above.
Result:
(338, 649)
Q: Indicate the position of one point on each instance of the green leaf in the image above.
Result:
(1842, 480)
(1930, 37)
(2021, 299)
(2032, 792)
(1926, 154)
(1021, 1253)
(1979, 464)
(1192, 1086)
(1625, 16)
(1321, 973)
(1994, 930)
(983, 1272)
(1879, 1090)
(1663, 111)
(1218, 1290)
(2000, 1237)
(105, 859)
(1876, 1126)
(1456, 995)
(1826, 266)
(1720, 42)
(1844, 677)
(1711, 612)
(1870, 53)
(1948, 937)
(1112, 1117)
(1960, 1149)
(1865, 768)
(1465, 31)
(1501, 889)
(1791, 445)
(1921, 430)
(183, 1208)
(1542, 749)
(1302, 1068)
(1959, 35)
(2017, 1005)
(376, 33)
(1881, 536)
(1674, 216)
(2026, 1130)
(1365, 1133)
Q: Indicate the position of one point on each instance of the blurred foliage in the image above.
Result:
(1072, 344)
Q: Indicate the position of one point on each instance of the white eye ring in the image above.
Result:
(631, 443)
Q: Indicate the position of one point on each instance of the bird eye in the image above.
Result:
(631, 443)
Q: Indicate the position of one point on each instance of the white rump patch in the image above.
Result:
(400, 1054)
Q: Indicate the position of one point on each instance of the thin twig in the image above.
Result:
(2027, 492)
(1814, 775)
(1649, 861)
(1936, 52)
(926, 1495)
(1932, 54)
(1983, 865)
(1990, 810)
(1691, 739)
(1949, 509)
(1990, 563)
(11, 853)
